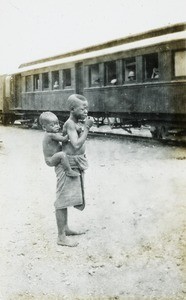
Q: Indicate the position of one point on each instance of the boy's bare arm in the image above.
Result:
(76, 141)
(59, 137)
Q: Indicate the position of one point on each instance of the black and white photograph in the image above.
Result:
(92, 150)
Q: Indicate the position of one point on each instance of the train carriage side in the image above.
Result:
(44, 89)
(142, 81)
(154, 95)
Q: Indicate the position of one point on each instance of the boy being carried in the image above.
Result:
(52, 143)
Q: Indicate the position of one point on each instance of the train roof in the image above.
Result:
(153, 37)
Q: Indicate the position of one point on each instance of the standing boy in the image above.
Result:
(70, 190)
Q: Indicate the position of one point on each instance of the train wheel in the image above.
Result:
(159, 132)
(12, 120)
(154, 132)
(5, 120)
(99, 121)
(162, 132)
(34, 124)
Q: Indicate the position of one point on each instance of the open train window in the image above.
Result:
(129, 69)
(180, 63)
(55, 80)
(151, 71)
(45, 81)
(94, 78)
(36, 82)
(28, 83)
(110, 73)
(67, 78)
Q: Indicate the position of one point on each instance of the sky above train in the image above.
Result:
(30, 30)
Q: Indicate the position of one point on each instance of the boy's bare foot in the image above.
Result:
(72, 173)
(72, 232)
(65, 242)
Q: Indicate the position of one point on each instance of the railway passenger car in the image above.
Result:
(7, 103)
(129, 82)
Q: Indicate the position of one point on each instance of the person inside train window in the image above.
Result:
(131, 76)
(155, 73)
(113, 81)
(56, 85)
(97, 80)
(52, 143)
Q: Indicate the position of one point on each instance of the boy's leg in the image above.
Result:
(55, 159)
(61, 219)
(68, 171)
(60, 157)
(68, 231)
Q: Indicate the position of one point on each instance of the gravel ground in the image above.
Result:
(135, 217)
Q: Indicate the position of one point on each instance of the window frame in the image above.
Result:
(30, 83)
(34, 82)
(129, 66)
(44, 88)
(90, 68)
(55, 79)
(66, 86)
(107, 79)
(174, 71)
(154, 65)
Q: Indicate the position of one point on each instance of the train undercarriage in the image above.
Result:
(161, 126)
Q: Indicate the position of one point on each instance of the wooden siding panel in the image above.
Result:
(55, 100)
(135, 99)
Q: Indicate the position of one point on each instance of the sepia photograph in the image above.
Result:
(92, 150)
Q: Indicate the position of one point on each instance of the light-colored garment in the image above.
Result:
(70, 190)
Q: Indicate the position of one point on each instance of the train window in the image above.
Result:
(94, 78)
(28, 83)
(151, 66)
(67, 78)
(45, 81)
(180, 63)
(36, 82)
(129, 69)
(55, 80)
(110, 73)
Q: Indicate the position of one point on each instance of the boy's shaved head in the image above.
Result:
(74, 99)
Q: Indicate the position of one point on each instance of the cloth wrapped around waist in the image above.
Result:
(78, 162)
(70, 190)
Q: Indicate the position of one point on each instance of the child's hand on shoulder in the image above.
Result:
(65, 138)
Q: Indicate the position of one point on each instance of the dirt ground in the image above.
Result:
(135, 217)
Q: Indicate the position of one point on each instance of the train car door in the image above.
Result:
(18, 102)
(79, 78)
(7, 99)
